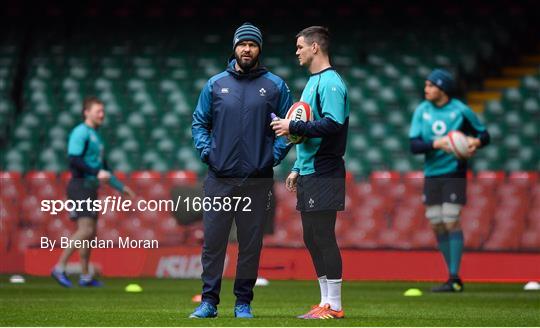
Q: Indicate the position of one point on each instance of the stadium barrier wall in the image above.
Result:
(287, 263)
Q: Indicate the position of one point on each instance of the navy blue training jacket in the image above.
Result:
(231, 123)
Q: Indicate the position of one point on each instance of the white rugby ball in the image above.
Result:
(459, 144)
(299, 111)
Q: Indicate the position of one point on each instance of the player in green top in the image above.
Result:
(318, 176)
(88, 169)
(445, 183)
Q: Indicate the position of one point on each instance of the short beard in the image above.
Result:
(246, 67)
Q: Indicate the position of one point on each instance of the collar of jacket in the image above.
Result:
(253, 74)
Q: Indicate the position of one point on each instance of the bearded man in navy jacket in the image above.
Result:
(231, 131)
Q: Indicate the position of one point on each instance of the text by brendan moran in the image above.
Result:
(122, 242)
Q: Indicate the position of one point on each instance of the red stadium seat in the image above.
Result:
(110, 234)
(30, 211)
(5, 237)
(158, 191)
(536, 189)
(394, 239)
(490, 178)
(530, 240)
(535, 196)
(280, 191)
(476, 221)
(58, 228)
(50, 192)
(284, 238)
(150, 218)
(106, 189)
(169, 232)
(283, 213)
(361, 190)
(351, 202)
(414, 180)
(58, 234)
(142, 180)
(384, 181)
(509, 191)
(294, 227)
(384, 175)
(153, 175)
(413, 200)
(368, 226)
(502, 241)
(475, 189)
(424, 238)
(397, 191)
(510, 219)
(480, 202)
(36, 218)
(10, 175)
(511, 211)
(28, 237)
(167, 224)
(274, 239)
(375, 202)
(479, 219)
(12, 191)
(358, 239)
(181, 177)
(122, 176)
(9, 211)
(36, 179)
(130, 224)
(288, 205)
(9, 221)
(11, 185)
(106, 224)
(523, 178)
(116, 216)
(285, 203)
(64, 178)
(533, 219)
(369, 210)
(343, 223)
(472, 239)
(349, 178)
(194, 235)
(143, 234)
(405, 222)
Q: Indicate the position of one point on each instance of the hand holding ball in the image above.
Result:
(459, 144)
(299, 111)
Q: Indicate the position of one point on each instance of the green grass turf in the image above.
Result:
(166, 302)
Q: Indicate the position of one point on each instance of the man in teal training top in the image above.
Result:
(445, 183)
(88, 169)
(318, 175)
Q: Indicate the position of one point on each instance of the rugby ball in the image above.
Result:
(459, 144)
(299, 111)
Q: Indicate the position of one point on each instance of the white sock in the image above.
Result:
(334, 293)
(86, 277)
(59, 268)
(324, 290)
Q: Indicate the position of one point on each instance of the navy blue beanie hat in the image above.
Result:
(442, 79)
(247, 32)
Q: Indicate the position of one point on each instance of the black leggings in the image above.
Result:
(320, 239)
